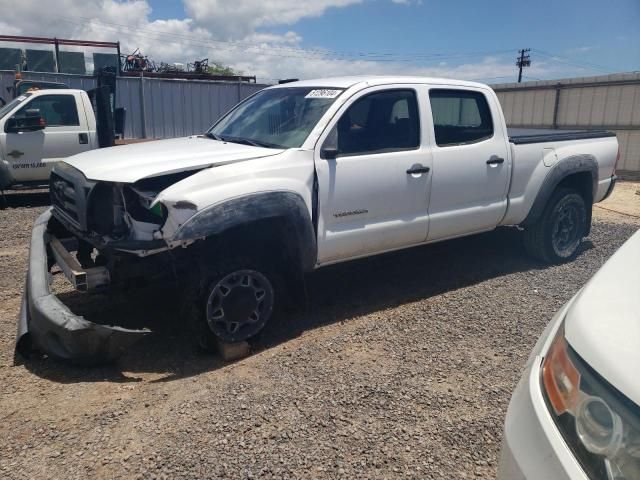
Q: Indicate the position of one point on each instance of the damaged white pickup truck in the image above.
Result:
(296, 177)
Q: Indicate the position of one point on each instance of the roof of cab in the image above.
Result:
(52, 90)
(347, 82)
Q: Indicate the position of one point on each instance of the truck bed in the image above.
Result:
(540, 135)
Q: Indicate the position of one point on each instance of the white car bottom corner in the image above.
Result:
(532, 445)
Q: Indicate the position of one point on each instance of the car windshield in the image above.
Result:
(275, 118)
(11, 105)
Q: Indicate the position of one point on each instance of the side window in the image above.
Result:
(460, 117)
(57, 110)
(380, 122)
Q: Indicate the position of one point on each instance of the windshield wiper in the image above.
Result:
(213, 136)
(250, 141)
(243, 141)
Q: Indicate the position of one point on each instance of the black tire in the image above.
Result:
(236, 301)
(556, 236)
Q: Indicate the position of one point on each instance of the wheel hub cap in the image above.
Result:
(239, 305)
(565, 231)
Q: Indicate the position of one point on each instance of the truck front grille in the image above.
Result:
(69, 190)
(64, 197)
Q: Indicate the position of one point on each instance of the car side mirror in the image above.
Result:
(329, 153)
(31, 122)
(329, 149)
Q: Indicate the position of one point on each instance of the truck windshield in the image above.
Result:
(13, 103)
(276, 118)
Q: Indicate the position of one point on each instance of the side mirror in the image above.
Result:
(329, 153)
(31, 122)
(329, 150)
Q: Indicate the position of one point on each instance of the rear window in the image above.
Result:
(460, 117)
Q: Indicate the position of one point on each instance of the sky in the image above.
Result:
(275, 39)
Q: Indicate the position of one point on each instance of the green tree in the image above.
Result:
(219, 69)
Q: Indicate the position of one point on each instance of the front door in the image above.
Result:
(373, 196)
(32, 154)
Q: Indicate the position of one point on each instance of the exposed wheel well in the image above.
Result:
(582, 182)
(275, 236)
(271, 240)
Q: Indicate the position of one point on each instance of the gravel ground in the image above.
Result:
(402, 367)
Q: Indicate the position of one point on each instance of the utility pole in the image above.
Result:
(524, 60)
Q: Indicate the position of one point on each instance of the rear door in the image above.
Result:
(374, 195)
(471, 162)
(32, 154)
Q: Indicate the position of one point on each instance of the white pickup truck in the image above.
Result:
(41, 127)
(296, 177)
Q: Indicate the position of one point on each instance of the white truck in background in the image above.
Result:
(41, 127)
(296, 177)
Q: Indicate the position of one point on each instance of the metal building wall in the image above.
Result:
(158, 108)
(83, 82)
(178, 108)
(610, 102)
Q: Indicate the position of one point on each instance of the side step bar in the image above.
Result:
(82, 279)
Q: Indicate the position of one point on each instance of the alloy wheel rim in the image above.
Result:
(566, 231)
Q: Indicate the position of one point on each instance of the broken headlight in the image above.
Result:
(140, 206)
(599, 424)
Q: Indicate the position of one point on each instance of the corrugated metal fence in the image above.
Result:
(158, 108)
(162, 108)
(610, 102)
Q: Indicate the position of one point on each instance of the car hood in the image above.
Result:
(603, 323)
(130, 163)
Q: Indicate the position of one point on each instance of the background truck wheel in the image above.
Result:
(236, 303)
(556, 236)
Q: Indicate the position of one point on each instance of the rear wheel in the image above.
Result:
(557, 235)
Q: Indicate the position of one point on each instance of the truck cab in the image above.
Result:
(39, 128)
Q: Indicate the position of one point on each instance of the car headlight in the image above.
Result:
(600, 425)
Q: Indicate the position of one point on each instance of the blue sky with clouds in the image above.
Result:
(585, 37)
(272, 39)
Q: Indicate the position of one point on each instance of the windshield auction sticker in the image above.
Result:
(323, 94)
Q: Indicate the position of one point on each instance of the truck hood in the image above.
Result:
(130, 163)
(603, 323)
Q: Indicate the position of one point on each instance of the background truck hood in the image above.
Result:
(603, 323)
(130, 163)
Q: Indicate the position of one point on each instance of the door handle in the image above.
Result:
(418, 169)
(83, 138)
(494, 160)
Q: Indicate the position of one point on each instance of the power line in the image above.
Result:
(560, 59)
(225, 45)
(299, 52)
(480, 79)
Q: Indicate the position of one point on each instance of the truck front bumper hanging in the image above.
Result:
(46, 324)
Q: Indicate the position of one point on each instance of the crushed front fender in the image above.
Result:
(47, 325)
